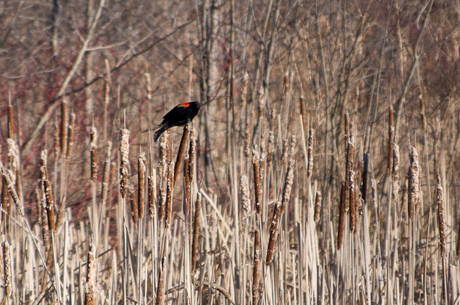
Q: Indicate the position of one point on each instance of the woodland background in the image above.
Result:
(381, 75)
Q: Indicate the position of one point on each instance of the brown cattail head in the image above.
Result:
(288, 181)
(310, 153)
(414, 183)
(391, 132)
(134, 206)
(70, 135)
(439, 201)
(273, 232)
(90, 289)
(196, 230)
(349, 167)
(341, 229)
(152, 191)
(191, 154)
(7, 269)
(11, 190)
(93, 150)
(244, 190)
(141, 184)
(317, 206)
(286, 83)
(49, 205)
(12, 152)
(247, 141)
(255, 272)
(164, 154)
(161, 282)
(181, 152)
(64, 130)
(124, 161)
(257, 182)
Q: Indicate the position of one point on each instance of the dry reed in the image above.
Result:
(151, 180)
(310, 153)
(391, 132)
(7, 270)
(169, 194)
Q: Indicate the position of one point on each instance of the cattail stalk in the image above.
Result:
(439, 201)
(141, 184)
(255, 272)
(273, 232)
(270, 148)
(303, 112)
(90, 289)
(70, 135)
(64, 130)
(191, 154)
(164, 143)
(163, 196)
(93, 151)
(196, 231)
(317, 206)
(414, 183)
(257, 182)
(106, 173)
(57, 142)
(124, 161)
(247, 141)
(187, 188)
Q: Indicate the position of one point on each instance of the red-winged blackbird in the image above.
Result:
(178, 116)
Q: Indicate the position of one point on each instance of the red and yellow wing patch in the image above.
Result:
(184, 105)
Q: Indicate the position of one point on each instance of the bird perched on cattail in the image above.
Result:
(178, 116)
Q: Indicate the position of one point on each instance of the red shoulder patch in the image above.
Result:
(184, 104)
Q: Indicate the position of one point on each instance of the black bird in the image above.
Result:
(178, 116)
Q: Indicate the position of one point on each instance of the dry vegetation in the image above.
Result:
(321, 169)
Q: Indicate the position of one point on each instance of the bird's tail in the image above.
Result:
(158, 133)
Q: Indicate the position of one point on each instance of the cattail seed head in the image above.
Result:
(124, 161)
(134, 206)
(273, 232)
(152, 191)
(7, 269)
(196, 230)
(317, 206)
(90, 288)
(270, 147)
(439, 201)
(414, 183)
(244, 190)
(106, 173)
